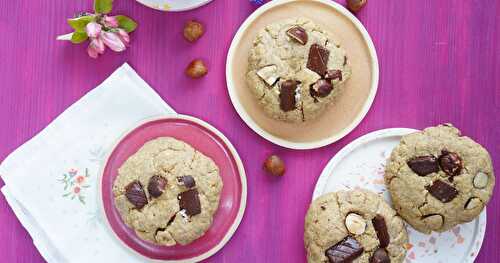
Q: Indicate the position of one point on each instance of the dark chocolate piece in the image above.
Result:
(135, 194)
(380, 256)
(332, 74)
(450, 162)
(287, 95)
(190, 202)
(345, 251)
(442, 191)
(298, 34)
(156, 185)
(321, 88)
(381, 228)
(424, 165)
(318, 59)
(187, 181)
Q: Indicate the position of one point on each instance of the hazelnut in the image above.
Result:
(355, 5)
(480, 180)
(274, 165)
(355, 224)
(193, 30)
(196, 69)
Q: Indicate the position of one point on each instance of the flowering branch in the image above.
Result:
(100, 29)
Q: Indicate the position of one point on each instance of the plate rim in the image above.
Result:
(200, 4)
(275, 139)
(369, 137)
(241, 169)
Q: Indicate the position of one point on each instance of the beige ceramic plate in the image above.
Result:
(342, 116)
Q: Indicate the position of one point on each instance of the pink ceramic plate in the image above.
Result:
(210, 142)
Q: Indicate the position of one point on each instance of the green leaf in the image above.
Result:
(78, 37)
(103, 6)
(126, 23)
(79, 24)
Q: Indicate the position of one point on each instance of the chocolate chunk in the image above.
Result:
(442, 191)
(189, 201)
(345, 251)
(381, 228)
(450, 162)
(424, 165)
(321, 88)
(318, 59)
(298, 34)
(156, 185)
(187, 181)
(135, 194)
(287, 95)
(380, 256)
(333, 74)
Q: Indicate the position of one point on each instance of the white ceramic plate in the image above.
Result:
(341, 117)
(361, 164)
(174, 5)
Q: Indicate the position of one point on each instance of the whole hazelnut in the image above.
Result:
(356, 5)
(196, 69)
(193, 30)
(274, 165)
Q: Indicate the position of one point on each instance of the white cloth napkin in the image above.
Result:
(51, 181)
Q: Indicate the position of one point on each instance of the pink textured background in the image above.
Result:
(439, 62)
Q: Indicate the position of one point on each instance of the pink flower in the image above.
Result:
(124, 36)
(113, 41)
(95, 47)
(93, 29)
(76, 190)
(80, 179)
(72, 171)
(110, 21)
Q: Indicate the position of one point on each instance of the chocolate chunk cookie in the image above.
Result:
(168, 192)
(295, 70)
(439, 179)
(355, 225)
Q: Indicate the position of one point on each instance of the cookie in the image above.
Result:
(353, 225)
(295, 70)
(168, 192)
(439, 179)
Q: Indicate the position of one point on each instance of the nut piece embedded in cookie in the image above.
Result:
(480, 180)
(187, 181)
(472, 203)
(442, 191)
(345, 251)
(287, 95)
(318, 59)
(424, 165)
(355, 224)
(380, 256)
(156, 185)
(190, 202)
(381, 228)
(136, 195)
(274, 165)
(298, 34)
(269, 74)
(450, 162)
(321, 88)
(433, 221)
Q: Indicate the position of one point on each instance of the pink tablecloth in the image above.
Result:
(439, 62)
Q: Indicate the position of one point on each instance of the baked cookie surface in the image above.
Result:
(295, 70)
(168, 192)
(354, 225)
(439, 179)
